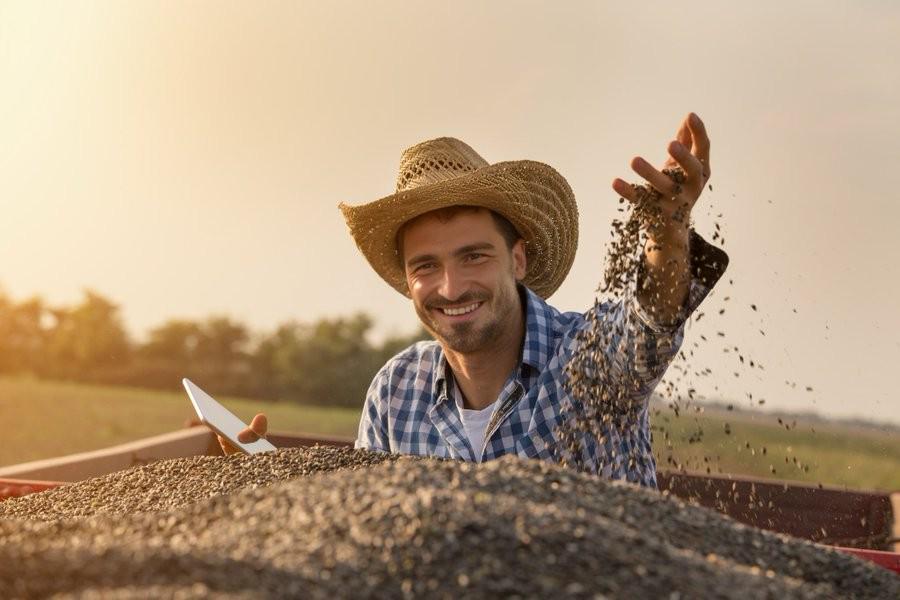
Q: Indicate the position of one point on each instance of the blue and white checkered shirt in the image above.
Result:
(410, 409)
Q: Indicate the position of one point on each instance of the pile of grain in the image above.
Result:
(177, 483)
(406, 528)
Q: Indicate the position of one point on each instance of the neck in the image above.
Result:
(482, 374)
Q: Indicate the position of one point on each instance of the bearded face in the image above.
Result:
(462, 277)
(472, 322)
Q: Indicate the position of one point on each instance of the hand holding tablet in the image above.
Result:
(225, 423)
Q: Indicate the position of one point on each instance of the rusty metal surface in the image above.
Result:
(13, 488)
(828, 515)
(888, 560)
(94, 463)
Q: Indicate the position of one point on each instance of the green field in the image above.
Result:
(826, 453)
(45, 419)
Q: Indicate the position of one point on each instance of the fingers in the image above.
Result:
(227, 448)
(700, 147)
(654, 177)
(690, 151)
(247, 436)
(258, 427)
(683, 136)
(624, 189)
(260, 424)
(687, 161)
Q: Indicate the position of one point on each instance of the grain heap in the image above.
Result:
(411, 528)
(177, 483)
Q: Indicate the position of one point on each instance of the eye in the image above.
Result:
(424, 267)
(473, 256)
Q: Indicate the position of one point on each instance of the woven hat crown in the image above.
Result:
(435, 161)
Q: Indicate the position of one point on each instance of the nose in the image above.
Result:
(453, 284)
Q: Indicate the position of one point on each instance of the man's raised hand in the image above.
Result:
(664, 209)
(690, 151)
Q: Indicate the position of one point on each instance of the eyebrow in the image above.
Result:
(458, 252)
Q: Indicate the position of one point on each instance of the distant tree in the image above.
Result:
(174, 341)
(339, 361)
(274, 376)
(214, 352)
(86, 339)
(330, 362)
(222, 342)
(22, 334)
(222, 355)
(166, 356)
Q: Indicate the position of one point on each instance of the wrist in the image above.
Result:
(672, 233)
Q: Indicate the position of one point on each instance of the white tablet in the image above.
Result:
(221, 420)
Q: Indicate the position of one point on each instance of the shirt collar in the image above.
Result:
(439, 388)
(535, 350)
(538, 317)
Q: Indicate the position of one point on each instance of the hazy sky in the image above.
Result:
(188, 158)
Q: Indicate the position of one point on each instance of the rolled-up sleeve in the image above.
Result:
(708, 264)
(623, 347)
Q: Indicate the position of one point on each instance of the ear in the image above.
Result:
(520, 260)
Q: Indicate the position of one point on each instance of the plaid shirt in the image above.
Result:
(410, 409)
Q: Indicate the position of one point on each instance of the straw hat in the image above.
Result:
(447, 172)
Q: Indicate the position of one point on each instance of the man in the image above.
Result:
(478, 248)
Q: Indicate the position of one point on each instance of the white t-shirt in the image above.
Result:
(475, 422)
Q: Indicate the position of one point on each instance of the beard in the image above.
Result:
(471, 337)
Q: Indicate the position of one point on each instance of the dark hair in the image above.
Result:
(504, 227)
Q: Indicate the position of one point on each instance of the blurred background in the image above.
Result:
(170, 174)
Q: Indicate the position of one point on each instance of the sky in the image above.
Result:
(187, 159)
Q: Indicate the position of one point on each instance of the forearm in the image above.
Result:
(665, 281)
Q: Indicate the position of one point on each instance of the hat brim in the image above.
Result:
(533, 196)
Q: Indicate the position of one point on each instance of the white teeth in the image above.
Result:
(453, 312)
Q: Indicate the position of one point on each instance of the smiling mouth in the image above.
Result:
(460, 310)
